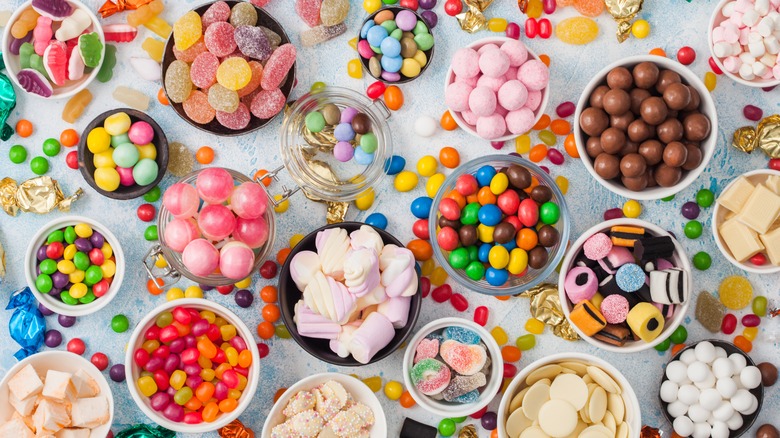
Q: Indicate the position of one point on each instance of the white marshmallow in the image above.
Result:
(732, 64)
(736, 18)
(755, 37)
(759, 69)
(698, 414)
(757, 49)
(769, 60)
(719, 429)
(765, 27)
(750, 18)
(743, 5)
(747, 58)
(762, 7)
(746, 72)
(722, 49)
(772, 45)
(717, 34)
(701, 430)
(744, 35)
(728, 9)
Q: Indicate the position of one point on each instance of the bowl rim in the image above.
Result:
(628, 390)
(81, 309)
(366, 395)
(455, 410)
(131, 368)
(564, 229)
(680, 312)
(707, 146)
(135, 191)
(97, 27)
(715, 223)
(716, 16)
(448, 78)
(64, 356)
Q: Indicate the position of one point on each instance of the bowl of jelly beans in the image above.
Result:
(123, 153)
(500, 225)
(228, 67)
(351, 137)
(75, 265)
(400, 46)
(37, 43)
(453, 367)
(192, 365)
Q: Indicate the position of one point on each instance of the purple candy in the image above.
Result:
(159, 400)
(613, 213)
(41, 254)
(344, 132)
(515, 154)
(171, 363)
(390, 76)
(174, 412)
(545, 168)
(66, 321)
(52, 338)
(220, 390)
(190, 341)
(243, 297)
(489, 420)
(83, 245)
(45, 311)
(194, 381)
(347, 114)
(431, 19)
(427, 4)
(343, 151)
(17, 43)
(205, 287)
(96, 239)
(690, 210)
(498, 145)
(177, 345)
(191, 369)
(55, 291)
(54, 9)
(59, 279)
(253, 42)
(34, 82)
(155, 363)
(405, 20)
(37, 270)
(200, 327)
(117, 373)
(238, 343)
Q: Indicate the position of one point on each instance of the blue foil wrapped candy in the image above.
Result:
(27, 324)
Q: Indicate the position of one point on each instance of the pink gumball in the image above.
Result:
(493, 63)
(249, 200)
(491, 127)
(125, 176)
(482, 101)
(180, 232)
(216, 221)
(492, 83)
(465, 62)
(534, 75)
(520, 121)
(214, 185)
(181, 200)
(140, 133)
(253, 232)
(236, 260)
(200, 257)
(456, 96)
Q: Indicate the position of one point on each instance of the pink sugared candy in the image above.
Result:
(200, 257)
(512, 95)
(426, 349)
(463, 359)
(534, 100)
(249, 200)
(236, 260)
(465, 63)
(493, 83)
(214, 185)
(482, 101)
(55, 60)
(456, 96)
(267, 103)
(219, 39)
(430, 376)
(125, 176)
(277, 67)
(534, 75)
(203, 71)
(493, 63)
(180, 232)
(491, 127)
(216, 221)
(140, 133)
(614, 308)
(181, 200)
(253, 232)
(520, 121)
(218, 11)
(516, 52)
(238, 119)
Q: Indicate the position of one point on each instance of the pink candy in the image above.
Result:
(125, 176)
(214, 185)
(253, 232)
(236, 260)
(493, 126)
(200, 257)
(597, 246)
(309, 11)
(277, 67)
(55, 59)
(216, 221)
(463, 359)
(219, 11)
(203, 71)
(220, 40)
(494, 63)
(42, 34)
(238, 119)
(248, 201)
(181, 200)
(426, 349)
(482, 101)
(512, 95)
(534, 74)
(465, 63)
(520, 121)
(180, 232)
(141, 133)
(457, 96)
(614, 308)
(267, 103)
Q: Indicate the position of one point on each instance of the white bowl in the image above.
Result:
(633, 412)
(360, 392)
(719, 214)
(679, 259)
(707, 107)
(54, 304)
(715, 19)
(447, 409)
(61, 361)
(12, 66)
(451, 77)
(133, 372)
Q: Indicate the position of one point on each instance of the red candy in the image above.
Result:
(420, 229)
(729, 324)
(565, 109)
(555, 156)
(267, 103)
(152, 333)
(277, 66)
(448, 238)
(509, 370)
(410, 4)
(442, 293)
(751, 320)
(100, 360)
(758, 259)
(203, 71)
(375, 90)
(714, 67)
(481, 314)
(466, 185)
(459, 302)
(141, 357)
(146, 212)
(477, 415)
(225, 290)
(513, 31)
(76, 346)
(263, 349)
(774, 164)
(238, 119)
(508, 202)
(528, 213)
(268, 270)
(72, 160)
(96, 256)
(545, 28)
(449, 208)
(686, 55)
(220, 39)
(425, 286)
(531, 28)
(753, 113)
(453, 7)
(613, 213)
(54, 250)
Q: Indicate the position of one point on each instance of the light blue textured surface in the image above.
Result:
(674, 23)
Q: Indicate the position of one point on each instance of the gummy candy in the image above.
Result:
(119, 33)
(36, 63)
(709, 311)
(252, 42)
(91, 49)
(145, 13)
(243, 14)
(55, 60)
(309, 11)
(34, 82)
(430, 376)
(589, 8)
(73, 26)
(735, 292)
(222, 99)
(218, 11)
(577, 30)
(462, 335)
(26, 50)
(374, 383)
(190, 54)
(460, 385)
(158, 26)
(235, 73)
(272, 36)
(146, 68)
(277, 67)
(220, 39)
(267, 103)
(17, 43)
(132, 98)
(75, 66)
(426, 349)
(25, 23)
(187, 30)
(203, 71)
(198, 109)
(238, 119)
(76, 105)
(534, 9)
(322, 33)
(177, 81)
(254, 83)
(42, 34)
(333, 12)
(154, 48)
(56, 10)
(469, 397)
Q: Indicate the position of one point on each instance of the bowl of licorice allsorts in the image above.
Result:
(228, 68)
(625, 285)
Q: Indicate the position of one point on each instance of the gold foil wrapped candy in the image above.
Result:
(623, 11)
(649, 432)
(337, 211)
(765, 136)
(468, 431)
(38, 195)
(2, 261)
(236, 429)
(474, 19)
(546, 307)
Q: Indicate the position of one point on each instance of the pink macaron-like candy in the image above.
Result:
(140, 133)
(249, 200)
(179, 232)
(512, 95)
(482, 101)
(534, 99)
(520, 121)
(181, 200)
(516, 52)
(491, 127)
(597, 246)
(614, 308)
(534, 74)
(494, 63)
(200, 257)
(465, 63)
(236, 260)
(470, 117)
(125, 176)
(491, 82)
(216, 221)
(253, 232)
(214, 185)
(456, 96)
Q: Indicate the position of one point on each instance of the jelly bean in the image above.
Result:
(499, 335)
(355, 69)
(513, 31)
(447, 122)
(441, 293)
(549, 6)
(526, 342)
(702, 261)
(658, 52)
(481, 314)
(664, 345)
(751, 320)
(510, 353)
(640, 29)
(537, 153)
(374, 383)
(522, 144)
(743, 344)
(710, 80)
(393, 390)
(677, 348)
(759, 305)
(758, 259)
(632, 209)
(686, 55)
(406, 400)
(534, 9)
(729, 324)
(375, 90)
(531, 27)
(547, 137)
(459, 302)
(497, 24)
(555, 156)
(534, 326)
(753, 113)
(750, 333)
(563, 183)
(613, 213)
(438, 276)
(394, 97)
(545, 28)
(679, 335)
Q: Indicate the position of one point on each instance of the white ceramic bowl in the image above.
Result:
(447, 409)
(360, 392)
(61, 361)
(707, 107)
(679, 259)
(54, 304)
(719, 216)
(715, 19)
(133, 371)
(633, 412)
(71, 87)
(451, 77)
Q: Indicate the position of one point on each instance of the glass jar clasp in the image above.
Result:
(167, 272)
(286, 191)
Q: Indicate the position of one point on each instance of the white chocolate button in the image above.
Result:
(558, 418)
(596, 431)
(604, 380)
(536, 396)
(517, 400)
(579, 367)
(517, 423)
(609, 422)
(597, 405)
(533, 432)
(571, 388)
(545, 372)
(587, 379)
(622, 430)
(617, 407)
(580, 427)
(584, 415)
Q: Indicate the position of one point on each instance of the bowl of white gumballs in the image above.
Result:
(711, 389)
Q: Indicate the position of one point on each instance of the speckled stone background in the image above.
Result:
(675, 23)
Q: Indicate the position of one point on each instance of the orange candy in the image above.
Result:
(259, 174)
(560, 127)
(205, 155)
(207, 348)
(228, 405)
(543, 122)
(460, 199)
(210, 412)
(265, 330)
(503, 297)
(537, 153)
(69, 138)
(245, 359)
(406, 400)
(447, 122)
(658, 52)
(205, 391)
(155, 286)
(162, 98)
(527, 239)
(510, 353)
(677, 348)
(485, 196)
(271, 312)
(394, 97)
(589, 8)
(24, 128)
(743, 343)
(494, 433)
(472, 198)
(281, 256)
(449, 157)
(182, 329)
(269, 294)
(545, 59)
(571, 146)
(279, 393)
(193, 404)
(421, 249)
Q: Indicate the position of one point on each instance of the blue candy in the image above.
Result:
(391, 63)
(377, 220)
(484, 251)
(630, 277)
(394, 165)
(375, 35)
(496, 277)
(421, 207)
(485, 174)
(469, 397)
(462, 335)
(366, 26)
(436, 336)
(26, 325)
(512, 244)
(362, 157)
(489, 214)
(390, 47)
(344, 132)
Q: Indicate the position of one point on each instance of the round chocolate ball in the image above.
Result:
(695, 99)
(594, 121)
(631, 147)
(677, 96)
(675, 154)
(633, 165)
(606, 166)
(620, 78)
(669, 130)
(653, 110)
(652, 151)
(613, 140)
(638, 95)
(468, 235)
(636, 184)
(667, 176)
(597, 96)
(767, 431)
(694, 157)
(541, 194)
(537, 257)
(622, 121)
(696, 126)
(361, 124)
(503, 232)
(639, 131)
(616, 102)
(665, 78)
(651, 182)
(645, 74)
(593, 147)
(518, 176)
(768, 373)
(548, 236)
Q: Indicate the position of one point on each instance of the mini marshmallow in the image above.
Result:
(759, 69)
(728, 9)
(761, 7)
(769, 60)
(772, 45)
(765, 26)
(757, 49)
(722, 49)
(743, 5)
(736, 18)
(717, 34)
(750, 17)
(755, 37)
(730, 32)
(732, 64)
(747, 58)
(776, 71)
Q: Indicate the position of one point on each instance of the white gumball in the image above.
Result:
(742, 400)
(688, 357)
(698, 414)
(688, 394)
(720, 352)
(709, 382)
(705, 352)
(726, 387)
(735, 422)
(698, 371)
(710, 399)
(677, 371)
(722, 368)
(753, 406)
(669, 391)
(719, 430)
(683, 426)
(739, 362)
(750, 377)
(701, 430)
(724, 411)
(677, 409)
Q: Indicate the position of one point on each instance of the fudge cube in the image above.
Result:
(50, 416)
(741, 241)
(15, 428)
(72, 433)
(771, 242)
(23, 407)
(89, 412)
(58, 386)
(85, 385)
(25, 383)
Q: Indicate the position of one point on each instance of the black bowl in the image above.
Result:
(87, 166)
(319, 348)
(747, 421)
(428, 53)
(214, 127)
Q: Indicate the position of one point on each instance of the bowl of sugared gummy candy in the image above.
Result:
(192, 366)
(74, 265)
(53, 48)
(228, 67)
(123, 153)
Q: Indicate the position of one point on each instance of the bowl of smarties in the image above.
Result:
(516, 283)
(214, 127)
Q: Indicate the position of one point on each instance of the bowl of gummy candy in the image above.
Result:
(123, 153)
(625, 285)
(453, 367)
(215, 226)
(228, 67)
(504, 212)
(711, 388)
(74, 265)
(350, 294)
(37, 43)
(496, 88)
(400, 46)
(178, 365)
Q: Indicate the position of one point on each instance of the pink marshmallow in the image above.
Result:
(501, 111)
(486, 47)
(470, 117)
(457, 96)
(313, 325)
(743, 5)
(744, 36)
(490, 82)
(534, 100)
(736, 18)
(768, 75)
(396, 310)
(516, 52)
(534, 75)
(717, 35)
(520, 121)
(471, 81)
(373, 335)
(465, 63)
(512, 95)
(482, 101)
(491, 127)
(494, 63)
(511, 73)
(776, 71)
(732, 64)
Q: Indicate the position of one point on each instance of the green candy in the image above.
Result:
(109, 62)
(93, 275)
(282, 332)
(318, 86)
(153, 195)
(547, 137)
(668, 198)
(526, 342)
(39, 165)
(116, 140)
(424, 40)
(389, 25)
(67, 299)
(119, 323)
(693, 229)
(91, 49)
(145, 171)
(376, 50)
(183, 395)
(459, 419)
(389, 2)
(475, 270)
(43, 283)
(26, 51)
(55, 236)
(459, 258)
(421, 28)
(88, 298)
(702, 261)
(447, 427)
(70, 234)
(759, 306)
(17, 154)
(470, 214)
(397, 34)
(51, 147)
(48, 266)
(164, 320)
(679, 336)
(315, 121)
(368, 142)
(473, 253)
(549, 213)
(81, 260)
(36, 63)
(150, 233)
(705, 198)
(663, 346)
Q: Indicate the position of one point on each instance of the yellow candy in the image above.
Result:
(147, 151)
(405, 181)
(232, 356)
(710, 80)
(534, 9)
(577, 30)
(234, 394)
(750, 333)
(174, 293)
(66, 266)
(427, 267)
(283, 206)
(534, 326)
(78, 290)
(205, 362)
(109, 268)
(116, 124)
(499, 183)
(421, 58)
(69, 252)
(438, 276)
(159, 26)
(187, 30)
(485, 233)
(295, 239)
(107, 178)
(228, 331)
(735, 292)
(499, 335)
(355, 68)
(193, 292)
(83, 230)
(640, 29)
(98, 140)
(242, 381)
(245, 283)
(426, 166)
(596, 300)
(498, 257)
(107, 250)
(208, 315)
(433, 184)
(234, 73)
(208, 374)
(562, 183)
(393, 390)
(497, 24)
(523, 144)
(518, 261)
(371, 6)
(147, 386)
(375, 383)
(154, 48)
(219, 321)
(177, 379)
(104, 159)
(632, 209)
(365, 200)
(160, 262)
(353, 43)
(410, 67)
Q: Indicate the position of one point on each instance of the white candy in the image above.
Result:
(728, 9)
(759, 69)
(746, 72)
(146, 68)
(719, 430)
(755, 37)
(726, 387)
(701, 430)
(769, 60)
(747, 58)
(669, 391)
(688, 394)
(688, 357)
(724, 411)
(722, 368)
(698, 414)
(735, 422)
(698, 371)
(753, 406)
(750, 377)
(732, 65)
(705, 352)
(720, 352)
(757, 48)
(742, 400)
(710, 399)
(772, 45)
(762, 7)
(677, 409)
(722, 49)
(676, 371)
(683, 426)
(425, 126)
(709, 382)
(765, 26)
(750, 18)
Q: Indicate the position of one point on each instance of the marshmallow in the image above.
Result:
(757, 49)
(765, 26)
(303, 267)
(746, 72)
(361, 271)
(728, 9)
(750, 17)
(332, 247)
(340, 345)
(396, 310)
(761, 7)
(314, 325)
(732, 64)
(717, 34)
(759, 69)
(772, 45)
(366, 237)
(374, 334)
(722, 49)
(398, 274)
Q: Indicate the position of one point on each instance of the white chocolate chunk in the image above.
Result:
(736, 195)
(760, 210)
(771, 242)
